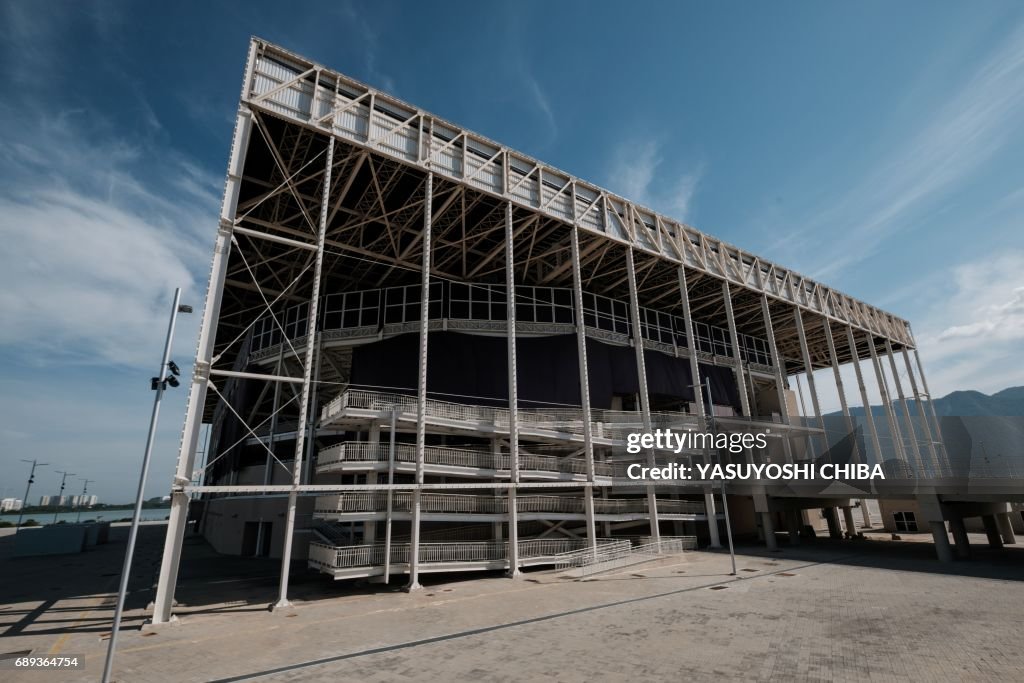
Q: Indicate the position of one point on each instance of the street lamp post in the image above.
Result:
(63, 478)
(158, 384)
(85, 490)
(31, 479)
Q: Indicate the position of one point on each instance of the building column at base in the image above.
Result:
(712, 515)
(769, 531)
(1005, 528)
(942, 549)
(963, 544)
(793, 521)
(851, 527)
(865, 513)
(834, 531)
(992, 531)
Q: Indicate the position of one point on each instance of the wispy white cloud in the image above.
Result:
(951, 145)
(638, 172)
(971, 339)
(361, 30)
(96, 234)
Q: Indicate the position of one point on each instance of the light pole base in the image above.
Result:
(282, 606)
(412, 587)
(513, 573)
(150, 625)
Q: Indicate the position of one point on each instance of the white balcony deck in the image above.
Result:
(351, 562)
(556, 425)
(373, 505)
(449, 461)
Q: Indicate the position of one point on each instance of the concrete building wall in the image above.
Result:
(224, 525)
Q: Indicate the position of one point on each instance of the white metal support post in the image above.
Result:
(834, 361)
(307, 382)
(421, 390)
(883, 390)
(868, 416)
(691, 343)
(581, 355)
(937, 470)
(911, 434)
(780, 373)
(737, 358)
(164, 601)
(641, 371)
(126, 570)
(513, 399)
(809, 370)
(391, 494)
(861, 457)
(931, 408)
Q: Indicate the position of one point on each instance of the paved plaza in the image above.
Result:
(855, 610)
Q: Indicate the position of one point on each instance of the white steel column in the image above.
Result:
(868, 416)
(391, 494)
(936, 469)
(912, 435)
(691, 344)
(884, 391)
(834, 361)
(204, 354)
(931, 408)
(641, 370)
(513, 399)
(780, 370)
(861, 457)
(709, 512)
(307, 378)
(734, 338)
(581, 355)
(810, 375)
(421, 403)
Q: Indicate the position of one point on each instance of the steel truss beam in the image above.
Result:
(396, 130)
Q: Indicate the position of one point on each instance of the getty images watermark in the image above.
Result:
(677, 442)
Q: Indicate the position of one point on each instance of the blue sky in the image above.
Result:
(874, 145)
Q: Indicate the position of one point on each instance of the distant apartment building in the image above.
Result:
(10, 505)
(46, 501)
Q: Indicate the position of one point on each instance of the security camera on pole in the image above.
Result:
(157, 384)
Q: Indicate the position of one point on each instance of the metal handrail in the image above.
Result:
(344, 557)
(455, 457)
(376, 501)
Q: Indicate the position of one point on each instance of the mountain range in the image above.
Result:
(1008, 402)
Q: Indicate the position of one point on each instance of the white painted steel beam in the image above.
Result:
(375, 121)
(168, 577)
(513, 397)
(868, 416)
(307, 388)
(581, 355)
(915, 450)
(421, 391)
(641, 370)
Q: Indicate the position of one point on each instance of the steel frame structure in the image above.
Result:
(332, 185)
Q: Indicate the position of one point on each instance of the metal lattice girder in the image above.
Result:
(295, 89)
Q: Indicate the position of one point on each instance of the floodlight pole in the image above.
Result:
(31, 478)
(126, 571)
(725, 501)
(63, 478)
(85, 490)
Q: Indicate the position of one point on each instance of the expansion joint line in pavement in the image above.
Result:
(497, 627)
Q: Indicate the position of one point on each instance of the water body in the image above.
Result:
(89, 515)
